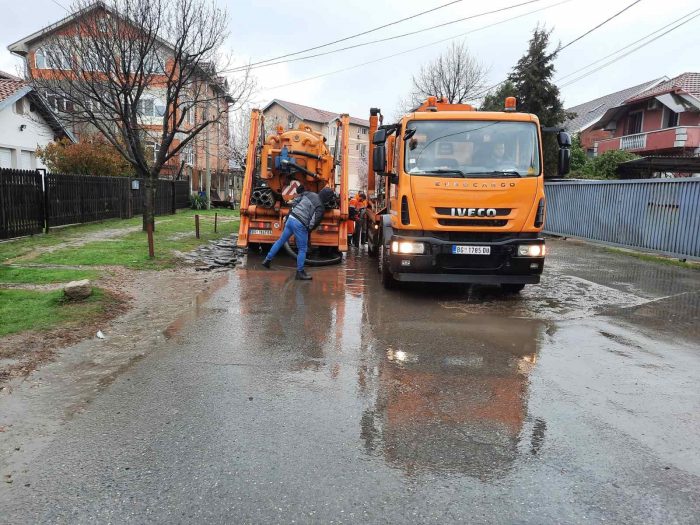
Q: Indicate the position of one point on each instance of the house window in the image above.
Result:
(93, 61)
(363, 151)
(51, 58)
(671, 118)
(59, 104)
(634, 122)
(19, 107)
(364, 131)
(150, 107)
(152, 150)
(188, 155)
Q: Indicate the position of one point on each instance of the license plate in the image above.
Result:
(254, 231)
(471, 250)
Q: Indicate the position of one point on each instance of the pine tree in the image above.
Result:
(495, 100)
(536, 93)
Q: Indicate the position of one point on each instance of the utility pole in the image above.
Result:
(208, 190)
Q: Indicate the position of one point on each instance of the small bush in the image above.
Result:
(603, 166)
(197, 202)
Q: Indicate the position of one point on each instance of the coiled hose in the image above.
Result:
(315, 262)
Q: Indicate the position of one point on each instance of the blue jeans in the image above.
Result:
(301, 235)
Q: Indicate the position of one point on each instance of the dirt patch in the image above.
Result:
(139, 303)
(23, 352)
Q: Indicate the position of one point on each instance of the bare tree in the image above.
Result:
(143, 73)
(455, 75)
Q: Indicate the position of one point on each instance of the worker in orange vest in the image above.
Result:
(359, 202)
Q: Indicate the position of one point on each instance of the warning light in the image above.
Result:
(510, 103)
(280, 129)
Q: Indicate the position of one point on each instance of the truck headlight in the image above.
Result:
(407, 247)
(531, 250)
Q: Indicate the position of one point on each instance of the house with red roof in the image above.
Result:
(663, 120)
(26, 123)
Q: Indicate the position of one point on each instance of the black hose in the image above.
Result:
(315, 262)
(304, 154)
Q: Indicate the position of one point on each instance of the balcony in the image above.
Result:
(633, 142)
(669, 139)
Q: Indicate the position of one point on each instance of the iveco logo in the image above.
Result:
(473, 212)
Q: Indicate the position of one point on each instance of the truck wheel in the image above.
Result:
(388, 280)
(512, 288)
(371, 248)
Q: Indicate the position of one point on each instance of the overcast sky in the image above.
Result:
(262, 29)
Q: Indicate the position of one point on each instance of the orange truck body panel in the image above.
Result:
(264, 224)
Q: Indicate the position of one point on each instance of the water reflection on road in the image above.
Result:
(440, 388)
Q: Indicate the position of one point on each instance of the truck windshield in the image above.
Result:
(471, 148)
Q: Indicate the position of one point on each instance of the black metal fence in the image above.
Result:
(31, 202)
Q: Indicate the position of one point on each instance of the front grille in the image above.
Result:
(455, 212)
(489, 223)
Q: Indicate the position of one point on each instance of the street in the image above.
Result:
(335, 401)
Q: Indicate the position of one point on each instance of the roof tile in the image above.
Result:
(687, 82)
(10, 87)
(589, 112)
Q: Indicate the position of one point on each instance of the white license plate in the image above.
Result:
(254, 231)
(471, 250)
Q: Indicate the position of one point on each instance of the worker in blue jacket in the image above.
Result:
(304, 217)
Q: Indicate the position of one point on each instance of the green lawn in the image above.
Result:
(28, 275)
(173, 233)
(22, 309)
(31, 310)
(18, 247)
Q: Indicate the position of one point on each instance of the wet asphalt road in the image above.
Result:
(338, 402)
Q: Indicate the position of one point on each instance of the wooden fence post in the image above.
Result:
(196, 226)
(174, 207)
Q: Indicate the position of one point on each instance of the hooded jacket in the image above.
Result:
(308, 207)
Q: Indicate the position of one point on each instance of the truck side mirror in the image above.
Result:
(564, 139)
(564, 164)
(564, 161)
(379, 158)
(379, 137)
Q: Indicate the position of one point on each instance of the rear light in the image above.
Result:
(262, 225)
(405, 216)
(539, 217)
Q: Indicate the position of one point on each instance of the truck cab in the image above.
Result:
(463, 196)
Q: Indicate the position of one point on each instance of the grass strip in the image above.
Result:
(22, 310)
(24, 275)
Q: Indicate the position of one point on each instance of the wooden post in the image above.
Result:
(149, 231)
(216, 219)
(196, 226)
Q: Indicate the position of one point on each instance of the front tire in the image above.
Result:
(387, 277)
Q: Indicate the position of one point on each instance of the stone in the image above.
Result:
(78, 290)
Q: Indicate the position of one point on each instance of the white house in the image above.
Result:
(26, 122)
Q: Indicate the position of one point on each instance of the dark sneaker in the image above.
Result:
(303, 276)
(266, 263)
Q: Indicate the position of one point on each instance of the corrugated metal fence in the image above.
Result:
(659, 215)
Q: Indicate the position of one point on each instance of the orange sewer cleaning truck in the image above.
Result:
(280, 166)
(458, 195)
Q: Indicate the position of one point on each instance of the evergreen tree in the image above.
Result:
(495, 100)
(536, 93)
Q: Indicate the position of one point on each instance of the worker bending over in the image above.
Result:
(304, 217)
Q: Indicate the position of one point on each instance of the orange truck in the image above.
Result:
(458, 195)
(280, 166)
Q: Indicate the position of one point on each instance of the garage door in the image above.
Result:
(5, 158)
